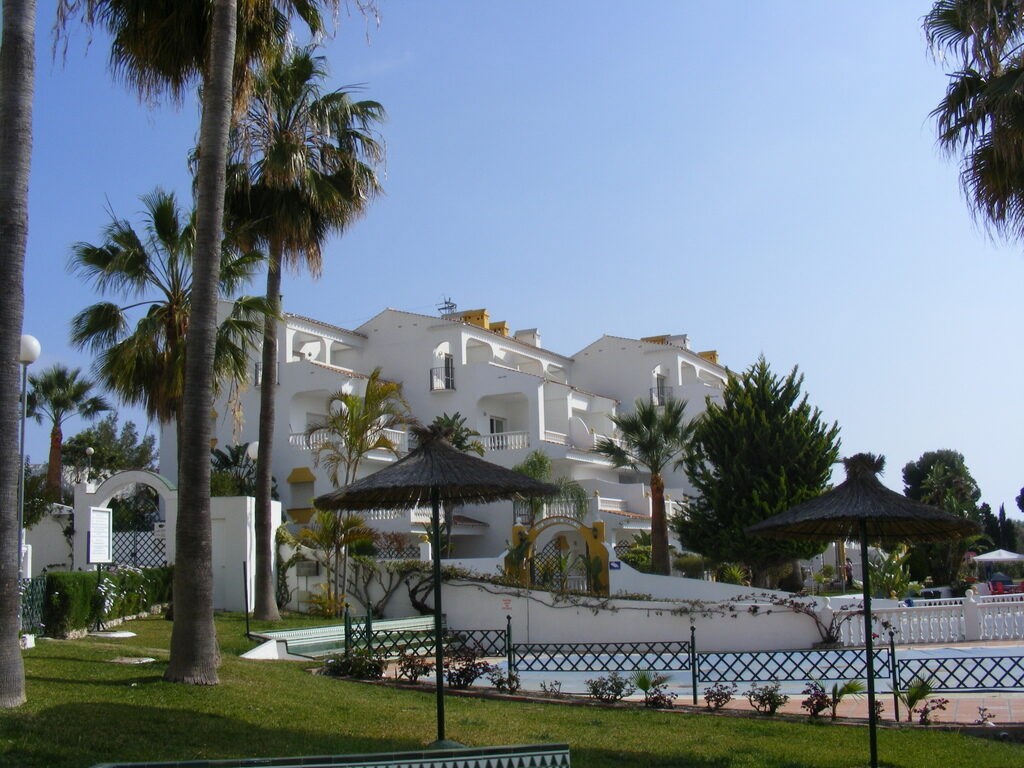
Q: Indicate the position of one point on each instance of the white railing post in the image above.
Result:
(826, 613)
(972, 616)
(425, 555)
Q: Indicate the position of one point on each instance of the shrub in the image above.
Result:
(691, 566)
(552, 688)
(655, 690)
(463, 667)
(924, 714)
(75, 600)
(718, 695)
(638, 558)
(839, 692)
(817, 700)
(361, 664)
(609, 689)
(505, 683)
(766, 699)
(412, 667)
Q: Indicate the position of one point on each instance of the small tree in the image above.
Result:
(357, 424)
(764, 449)
(329, 535)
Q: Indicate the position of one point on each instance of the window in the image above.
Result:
(498, 425)
(443, 376)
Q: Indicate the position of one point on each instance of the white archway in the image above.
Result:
(89, 495)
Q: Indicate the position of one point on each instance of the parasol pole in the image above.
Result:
(868, 643)
(435, 522)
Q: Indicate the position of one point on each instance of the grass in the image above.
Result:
(83, 710)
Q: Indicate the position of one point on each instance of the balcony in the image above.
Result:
(311, 442)
(660, 395)
(531, 513)
(506, 441)
(257, 376)
(442, 378)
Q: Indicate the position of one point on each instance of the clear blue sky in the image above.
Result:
(761, 176)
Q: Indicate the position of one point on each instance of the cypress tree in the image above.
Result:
(764, 449)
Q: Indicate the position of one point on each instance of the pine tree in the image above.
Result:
(764, 449)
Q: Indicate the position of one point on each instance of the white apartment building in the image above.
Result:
(518, 395)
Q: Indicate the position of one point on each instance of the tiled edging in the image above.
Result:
(519, 756)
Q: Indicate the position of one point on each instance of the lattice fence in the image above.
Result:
(593, 657)
(386, 551)
(139, 548)
(959, 673)
(759, 666)
(33, 592)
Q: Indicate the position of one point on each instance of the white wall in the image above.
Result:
(50, 549)
(537, 618)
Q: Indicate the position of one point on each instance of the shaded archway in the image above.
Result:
(523, 550)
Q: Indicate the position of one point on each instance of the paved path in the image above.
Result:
(1004, 708)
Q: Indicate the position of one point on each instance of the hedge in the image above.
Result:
(72, 600)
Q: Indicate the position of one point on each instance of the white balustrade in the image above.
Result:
(611, 505)
(305, 442)
(558, 438)
(1001, 619)
(399, 438)
(506, 441)
(948, 620)
(310, 442)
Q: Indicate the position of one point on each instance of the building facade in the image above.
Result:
(519, 396)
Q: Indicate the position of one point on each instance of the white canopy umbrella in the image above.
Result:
(999, 556)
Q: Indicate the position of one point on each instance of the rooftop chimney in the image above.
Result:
(529, 336)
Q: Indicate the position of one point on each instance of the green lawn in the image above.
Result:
(82, 710)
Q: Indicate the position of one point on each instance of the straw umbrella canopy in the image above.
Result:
(435, 473)
(862, 508)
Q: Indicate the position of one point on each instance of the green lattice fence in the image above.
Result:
(33, 591)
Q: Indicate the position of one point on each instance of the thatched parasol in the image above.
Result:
(864, 509)
(435, 473)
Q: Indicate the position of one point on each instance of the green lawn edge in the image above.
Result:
(82, 710)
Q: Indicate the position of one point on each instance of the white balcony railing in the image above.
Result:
(310, 442)
(506, 441)
(612, 505)
(305, 442)
(558, 438)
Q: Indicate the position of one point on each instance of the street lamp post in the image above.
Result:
(29, 353)
(89, 451)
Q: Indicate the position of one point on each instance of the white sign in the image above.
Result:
(101, 535)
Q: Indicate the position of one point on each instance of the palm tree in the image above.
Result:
(981, 116)
(153, 62)
(153, 270)
(356, 425)
(17, 76)
(652, 438)
(461, 438)
(195, 655)
(304, 169)
(58, 393)
(329, 535)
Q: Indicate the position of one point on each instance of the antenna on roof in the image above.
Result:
(447, 307)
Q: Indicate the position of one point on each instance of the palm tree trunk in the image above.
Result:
(660, 562)
(194, 653)
(54, 468)
(17, 75)
(265, 607)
